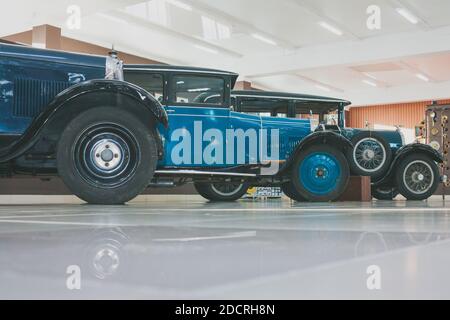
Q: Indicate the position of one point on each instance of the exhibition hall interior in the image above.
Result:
(239, 149)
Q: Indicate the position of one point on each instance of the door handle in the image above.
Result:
(170, 111)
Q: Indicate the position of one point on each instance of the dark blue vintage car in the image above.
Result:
(380, 154)
(110, 132)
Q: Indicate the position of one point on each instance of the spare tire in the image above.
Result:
(371, 155)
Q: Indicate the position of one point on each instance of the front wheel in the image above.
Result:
(320, 174)
(221, 191)
(106, 156)
(417, 177)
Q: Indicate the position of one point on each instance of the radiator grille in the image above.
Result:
(31, 96)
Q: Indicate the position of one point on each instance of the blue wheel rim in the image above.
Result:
(319, 173)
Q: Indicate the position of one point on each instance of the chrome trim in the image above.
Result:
(182, 70)
(286, 98)
(208, 173)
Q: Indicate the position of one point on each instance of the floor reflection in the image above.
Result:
(196, 250)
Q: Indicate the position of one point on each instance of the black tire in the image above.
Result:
(384, 193)
(371, 155)
(289, 190)
(417, 177)
(125, 166)
(326, 173)
(225, 192)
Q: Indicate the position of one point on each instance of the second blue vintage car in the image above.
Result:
(110, 132)
(376, 153)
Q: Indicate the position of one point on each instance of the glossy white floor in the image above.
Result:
(176, 247)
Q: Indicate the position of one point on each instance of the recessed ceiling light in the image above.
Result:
(422, 77)
(207, 49)
(407, 15)
(263, 39)
(331, 28)
(370, 83)
(321, 87)
(180, 4)
(370, 75)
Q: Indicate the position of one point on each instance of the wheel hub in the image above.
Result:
(417, 177)
(368, 154)
(106, 155)
(321, 172)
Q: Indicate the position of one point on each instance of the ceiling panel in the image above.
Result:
(352, 16)
(434, 12)
(282, 19)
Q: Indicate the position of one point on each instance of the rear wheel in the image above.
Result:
(320, 174)
(371, 155)
(384, 193)
(417, 177)
(289, 190)
(106, 156)
(221, 191)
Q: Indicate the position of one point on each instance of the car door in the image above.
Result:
(243, 139)
(198, 119)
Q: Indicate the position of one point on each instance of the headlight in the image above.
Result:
(435, 145)
(433, 116)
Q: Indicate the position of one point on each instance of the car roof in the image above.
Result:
(163, 67)
(288, 96)
(183, 69)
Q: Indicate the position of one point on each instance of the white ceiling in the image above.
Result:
(276, 44)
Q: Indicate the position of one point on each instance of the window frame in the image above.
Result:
(226, 90)
(146, 72)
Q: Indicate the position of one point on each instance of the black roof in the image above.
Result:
(167, 68)
(289, 96)
(163, 67)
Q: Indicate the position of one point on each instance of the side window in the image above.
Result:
(265, 107)
(199, 89)
(151, 82)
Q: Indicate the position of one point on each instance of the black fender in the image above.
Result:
(320, 137)
(404, 152)
(78, 98)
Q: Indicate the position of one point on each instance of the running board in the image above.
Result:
(207, 173)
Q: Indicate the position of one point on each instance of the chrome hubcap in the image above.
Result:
(368, 155)
(106, 155)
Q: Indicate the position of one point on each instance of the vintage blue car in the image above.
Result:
(111, 131)
(376, 153)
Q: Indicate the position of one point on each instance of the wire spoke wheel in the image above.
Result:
(226, 189)
(369, 154)
(418, 177)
